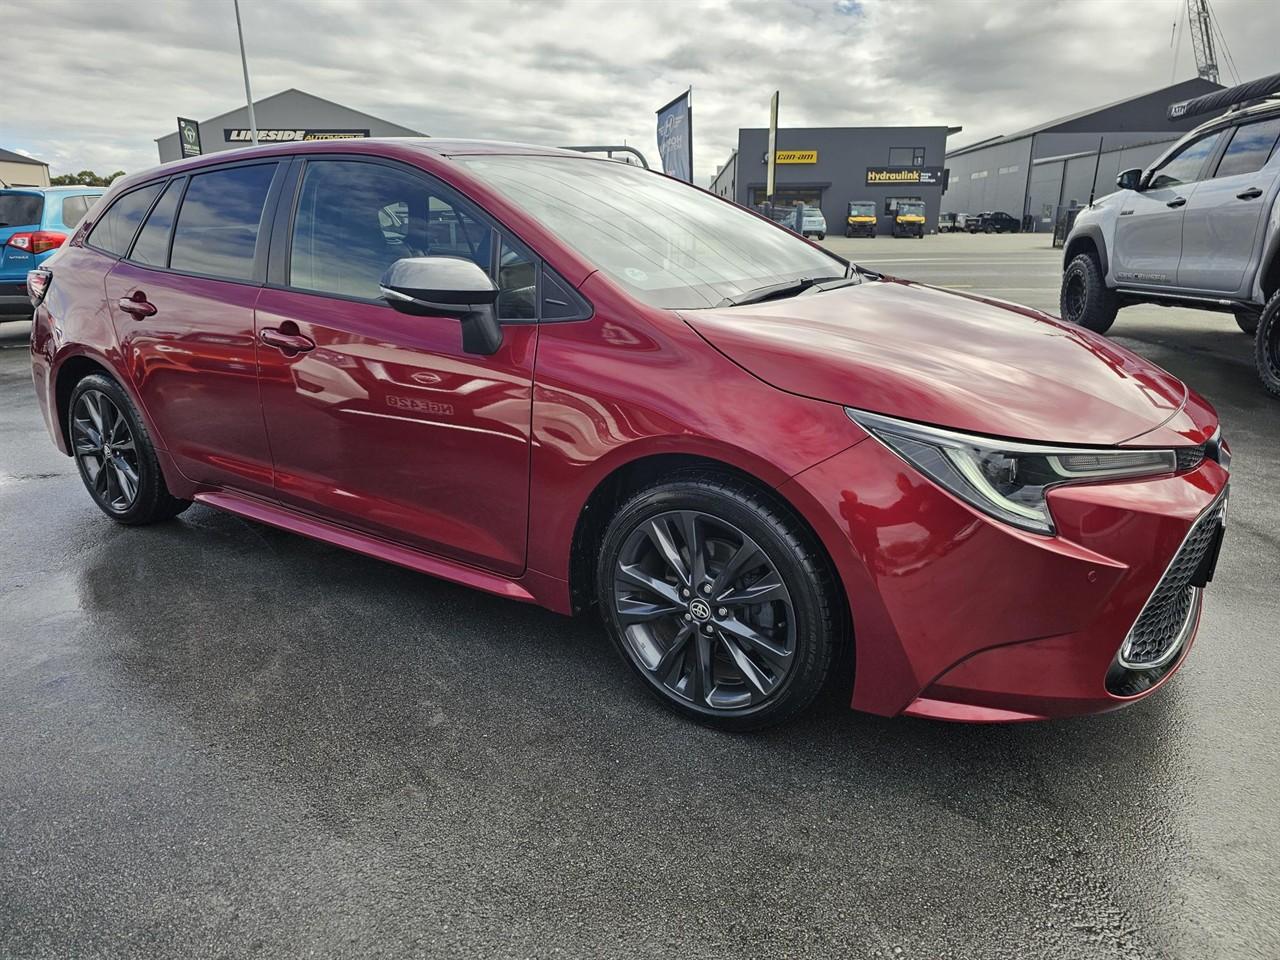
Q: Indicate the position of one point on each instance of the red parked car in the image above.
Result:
(576, 383)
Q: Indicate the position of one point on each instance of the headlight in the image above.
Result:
(1005, 479)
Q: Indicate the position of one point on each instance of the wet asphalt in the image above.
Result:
(220, 740)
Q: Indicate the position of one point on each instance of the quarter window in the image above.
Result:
(114, 232)
(1250, 148)
(152, 245)
(217, 229)
(1185, 165)
(74, 209)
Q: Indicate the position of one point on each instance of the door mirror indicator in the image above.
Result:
(451, 287)
(1130, 179)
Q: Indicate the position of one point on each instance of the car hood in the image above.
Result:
(917, 352)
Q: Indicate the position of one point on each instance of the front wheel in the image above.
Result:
(1085, 298)
(719, 600)
(1267, 345)
(115, 456)
(822, 236)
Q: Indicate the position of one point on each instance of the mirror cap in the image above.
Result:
(450, 284)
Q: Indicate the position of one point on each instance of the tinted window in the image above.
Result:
(20, 209)
(217, 229)
(1250, 148)
(114, 231)
(152, 246)
(74, 209)
(1185, 165)
(356, 219)
(517, 283)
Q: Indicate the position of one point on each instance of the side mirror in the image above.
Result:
(451, 287)
(1130, 179)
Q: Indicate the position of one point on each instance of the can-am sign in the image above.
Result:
(244, 135)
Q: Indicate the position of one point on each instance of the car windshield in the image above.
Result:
(669, 244)
(20, 209)
(862, 209)
(911, 209)
(812, 212)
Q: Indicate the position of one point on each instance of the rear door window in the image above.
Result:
(74, 209)
(114, 231)
(1250, 148)
(20, 209)
(152, 245)
(216, 233)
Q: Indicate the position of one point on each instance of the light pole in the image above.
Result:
(244, 63)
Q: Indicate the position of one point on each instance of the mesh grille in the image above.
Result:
(1161, 627)
(1190, 457)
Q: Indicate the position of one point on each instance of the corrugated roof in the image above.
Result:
(8, 156)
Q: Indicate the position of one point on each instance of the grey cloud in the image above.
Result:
(574, 71)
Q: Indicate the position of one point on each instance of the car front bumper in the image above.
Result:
(957, 616)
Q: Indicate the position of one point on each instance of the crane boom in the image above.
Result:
(1201, 23)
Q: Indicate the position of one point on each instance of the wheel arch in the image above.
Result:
(1087, 240)
(641, 472)
(68, 373)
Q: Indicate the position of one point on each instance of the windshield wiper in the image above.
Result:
(774, 291)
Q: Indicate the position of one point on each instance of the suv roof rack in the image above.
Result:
(1232, 98)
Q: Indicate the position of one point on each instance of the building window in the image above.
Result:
(978, 175)
(1012, 169)
(906, 156)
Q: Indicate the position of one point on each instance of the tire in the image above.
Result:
(108, 434)
(1247, 322)
(988, 229)
(848, 231)
(668, 627)
(822, 236)
(1267, 346)
(1085, 298)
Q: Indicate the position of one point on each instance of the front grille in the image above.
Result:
(1190, 457)
(1167, 619)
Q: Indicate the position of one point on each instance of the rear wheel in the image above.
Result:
(719, 600)
(1085, 298)
(1267, 345)
(115, 456)
(1247, 321)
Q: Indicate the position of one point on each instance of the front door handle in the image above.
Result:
(1253, 193)
(290, 344)
(1177, 202)
(137, 305)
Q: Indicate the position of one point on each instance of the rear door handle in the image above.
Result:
(137, 305)
(1177, 202)
(290, 344)
(1253, 193)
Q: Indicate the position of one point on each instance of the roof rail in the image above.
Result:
(610, 149)
(1232, 98)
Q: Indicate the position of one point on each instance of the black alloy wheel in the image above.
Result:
(115, 456)
(717, 602)
(105, 451)
(1267, 346)
(1085, 299)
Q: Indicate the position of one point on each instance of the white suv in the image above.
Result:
(1199, 228)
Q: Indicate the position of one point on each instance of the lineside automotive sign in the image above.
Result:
(890, 176)
(243, 135)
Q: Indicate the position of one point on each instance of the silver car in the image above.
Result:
(1199, 228)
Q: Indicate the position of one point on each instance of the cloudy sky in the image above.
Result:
(113, 74)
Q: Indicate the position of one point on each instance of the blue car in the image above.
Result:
(35, 221)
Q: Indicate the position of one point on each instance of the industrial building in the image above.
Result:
(1034, 173)
(286, 116)
(18, 170)
(827, 167)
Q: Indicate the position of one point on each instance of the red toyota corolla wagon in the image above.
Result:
(578, 383)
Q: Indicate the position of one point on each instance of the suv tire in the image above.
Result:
(1085, 298)
(115, 456)
(728, 519)
(1247, 321)
(1267, 345)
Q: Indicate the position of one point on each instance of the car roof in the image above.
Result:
(43, 190)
